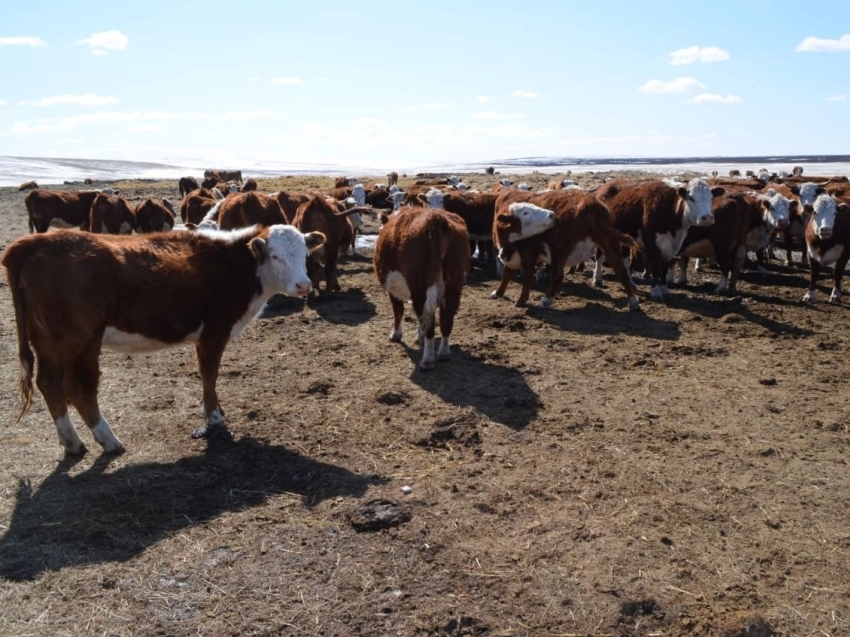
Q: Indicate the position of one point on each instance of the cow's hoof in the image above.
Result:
(210, 432)
(634, 305)
(426, 366)
(395, 338)
(545, 303)
(79, 452)
(495, 295)
(443, 356)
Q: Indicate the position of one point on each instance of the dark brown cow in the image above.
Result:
(88, 181)
(28, 185)
(211, 182)
(224, 175)
(422, 256)
(249, 185)
(734, 173)
(196, 205)
(205, 289)
(247, 209)
(657, 215)
(319, 214)
(725, 240)
(111, 214)
(187, 185)
(392, 178)
(828, 243)
(154, 215)
(577, 225)
(65, 208)
(797, 171)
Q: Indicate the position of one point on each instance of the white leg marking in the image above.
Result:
(545, 302)
(809, 296)
(665, 290)
(835, 297)
(428, 359)
(68, 434)
(597, 272)
(656, 294)
(494, 294)
(444, 351)
(634, 304)
(105, 438)
(723, 286)
(395, 335)
(215, 418)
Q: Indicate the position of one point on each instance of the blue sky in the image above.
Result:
(401, 84)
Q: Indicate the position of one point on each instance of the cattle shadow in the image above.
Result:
(499, 392)
(347, 307)
(282, 305)
(95, 517)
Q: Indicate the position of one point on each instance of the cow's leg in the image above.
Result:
(425, 306)
(331, 282)
(597, 268)
(814, 271)
(451, 303)
(528, 271)
(81, 382)
(726, 266)
(789, 246)
(398, 315)
(507, 275)
(611, 252)
(838, 273)
(658, 273)
(557, 278)
(760, 260)
(209, 353)
(682, 279)
(737, 264)
(49, 381)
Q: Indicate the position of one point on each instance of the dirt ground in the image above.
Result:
(581, 470)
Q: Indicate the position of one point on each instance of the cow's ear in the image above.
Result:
(314, 241)
(717, 191)
(843, 207)
(260, 249)
(765, 203)
(505, 218)
(682, 192)
(820, 190)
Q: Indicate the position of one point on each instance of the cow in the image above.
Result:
(246, 209)
(797, 171)
(657, 214)
(561, 228)
(68, 209)
(196, 205)
(774, 213)
(828, 243)
(805, 193)
(205, 288)
(489, 170)
(734, 173)
(186, 185)
(88, 181)
(750, 173)
(345, 182)
(320, 214)
(290, 202)
(224, 175)
(422, 257)
(714, 173)
(764, 175)
(154, 215)
(392, 178)
(249, 185)
(725, 240)
(27, 185)
(111, 214)
(560, 184)
(210, 182)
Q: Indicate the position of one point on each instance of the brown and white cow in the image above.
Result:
(205, 289)
(290, 202)
(186, 185)
(828, 243)
(249, 185)
(773, 213)
(321, 214)
(574, 224)
(805, 194)
(657, 214)
(246, 209)
(111, 214)
(196, 205)
(66, 209)
(154, 215)
(422, 257)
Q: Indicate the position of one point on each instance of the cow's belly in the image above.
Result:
(582, 251)
(701, 249)
(758, 238)
(669, 243)
(134, 343)
(830, 256)
(396, 285)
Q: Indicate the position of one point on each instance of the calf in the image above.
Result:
(734, 173)
(828, 242)
(154, 215)
(577, 225)
(205, 288)
(187, 185)
(657, 214)
(68, 209)
(422, 257)
(773, 213)
(111, 214)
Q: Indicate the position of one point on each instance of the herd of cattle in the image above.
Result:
(203, 281)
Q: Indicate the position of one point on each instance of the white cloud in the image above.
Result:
(712, 98)
(254, 79)
(104, 41)
(679, 85)
(482, 99)
(3, 102)
(525, 94)
(320, 79)
(491, 115)
(837, 98)
(22, 128)
(144, 128)
(287, 79)
(705, 55)
(21, 41)
(840, 45)
(86, 99)
(422, 107)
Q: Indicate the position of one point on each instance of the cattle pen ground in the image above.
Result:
(580, 470)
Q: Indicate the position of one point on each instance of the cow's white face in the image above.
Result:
(462, 186)
(777, 209)
(394, 189)
(283, 259)
(808, 193)
(523, 186)
(358, 193)
(533, 220)
(454, 180)
(764, 175)
(823, 218)
(505, 182)
(435, 198)
(566, 183)
(697, 200)
(352, 181)
(397, 198)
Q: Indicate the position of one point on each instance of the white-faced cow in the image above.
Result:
(657, 214)
(205, 289)
(828, 243)
(422, 257)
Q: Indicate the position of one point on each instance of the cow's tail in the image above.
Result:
(30, 213)
(25, 354)
(628, 241)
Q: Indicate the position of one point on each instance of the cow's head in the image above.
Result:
(823, 215)
(281, 252)
(396, 198)
(807, 193)
(454, 180)
(506, 182)
(527, 220)
(776, 209)
(523, 186)
(696, 197)
(358, 193)
(433, 198)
